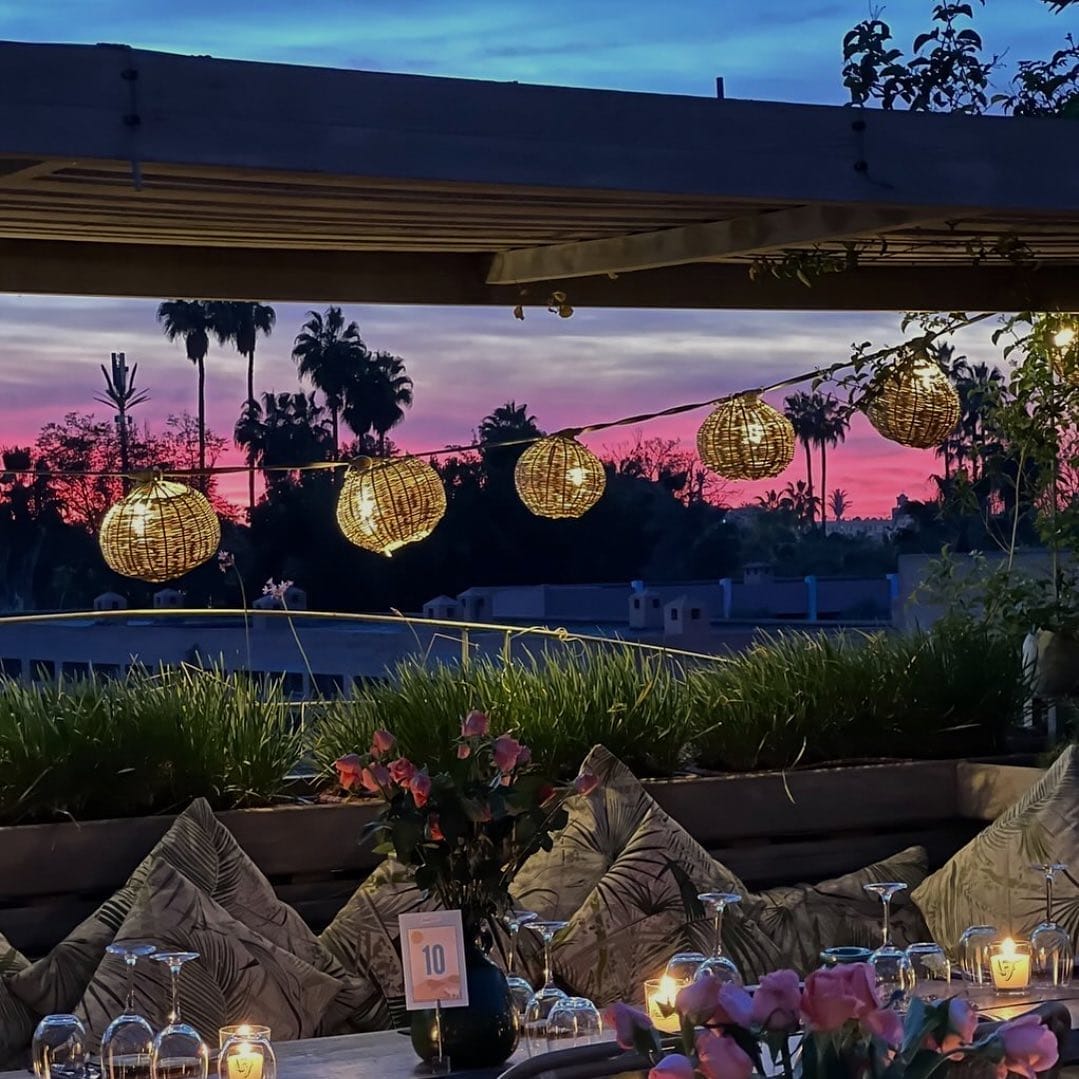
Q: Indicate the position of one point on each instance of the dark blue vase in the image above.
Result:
(481, 1035)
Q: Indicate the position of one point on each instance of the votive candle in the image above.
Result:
(245, 1062)
(1009, 964)
(659, 997)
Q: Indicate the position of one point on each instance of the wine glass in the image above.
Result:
(717, 963)
(59, 1049)
(573, 1021)
(683, 966)
(1053, 958)
(521, 988)
(932, 970)
(973, 951)
(129, 1038)
(545, 998)
(179, 1051)
(892, 966)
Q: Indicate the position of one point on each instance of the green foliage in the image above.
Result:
(147, 744)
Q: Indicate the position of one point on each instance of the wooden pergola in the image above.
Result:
(133, 173)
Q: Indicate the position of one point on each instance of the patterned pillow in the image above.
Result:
(205, 851)
(990, 881)
(642, 872)
(17, 1024)
(804, 919)
(240, 975)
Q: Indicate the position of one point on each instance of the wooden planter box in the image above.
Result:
(768, 827)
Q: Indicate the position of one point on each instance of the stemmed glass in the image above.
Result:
(59, 1049)
(717, 964)
(521, 989)
(129, 1038)
(179, 1051)
(683, 966)
(1050, 943)
(892, 965)
(932, 970)
(573, 1021)
(544, 999)
(974, 948)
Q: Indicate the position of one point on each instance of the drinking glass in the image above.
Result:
(973, 952)
(717, 964)
(573, 1021)
(544, 999)
(59, 1049)
(521, 989)
(129, 1038)
(1052, 955)
(683, 966)
(932, 970)
(895, 974)
(179, 1051)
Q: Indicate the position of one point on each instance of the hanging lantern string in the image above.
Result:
(817, 374)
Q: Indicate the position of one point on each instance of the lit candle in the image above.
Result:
(659, 997)
(1010, 966)
(245, 1062)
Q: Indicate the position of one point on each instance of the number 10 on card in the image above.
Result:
(433, 958)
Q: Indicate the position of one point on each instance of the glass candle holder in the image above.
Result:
(1009, 965)
(246, 1031)
(247, 1057)
(659, 998)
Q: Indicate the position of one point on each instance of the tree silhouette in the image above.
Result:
(120, 392)
(840, 503)
(391, 393)
(818, 420)
(285, 430)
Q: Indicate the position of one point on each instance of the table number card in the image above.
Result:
(433, 958)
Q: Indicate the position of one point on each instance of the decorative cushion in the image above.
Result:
(11, 959)
(804, 919)
(990, 881)
(240, 976)
(17, 1024)
(205, 851)
(643, 872)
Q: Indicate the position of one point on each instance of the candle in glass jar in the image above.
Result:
(245, 1062)
(659, 995)
(1010, 966)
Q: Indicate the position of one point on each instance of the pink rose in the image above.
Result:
(381, 742)
(349, 770)
(673, 1066)
(420, 785)
(886, 1025)
(506, 751)
(627, 1022)
(708, 1000)
(1029, 1046)
(475, 725)
(831, 997)
(734, 1006)
(401, 771)
(585, 783)
(721, 1057)
(777, 1001)
(375, 778)
(463, 752)
(434, 829)
(962, 1023)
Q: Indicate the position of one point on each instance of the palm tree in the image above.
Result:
(772, 501)
(508, 423)
(840, 502)
(284, 430)
(391, 392)
(193, 320)
(240, 322)
(802, 502)
(833, 423)
(803, 413)
(120, 392)
(331, 355)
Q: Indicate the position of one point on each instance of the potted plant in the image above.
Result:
(463, 833)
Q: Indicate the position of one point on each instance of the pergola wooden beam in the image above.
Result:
(156, 271)
(752, 234)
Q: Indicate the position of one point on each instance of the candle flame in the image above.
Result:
(668, 990)
(1007, 948)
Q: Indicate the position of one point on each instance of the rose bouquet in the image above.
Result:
(848, 1034)
(464, 832)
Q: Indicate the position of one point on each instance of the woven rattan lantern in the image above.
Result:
(159, 532)
(558, 477)
(913, 402)
(746, 439)
(384, 505)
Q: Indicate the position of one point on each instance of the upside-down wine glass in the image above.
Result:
(932, 970)
(521, 989)
(129, 1039)
(974, 949)
(179, 1051)
(544, 999)
(892, 966)
(573, 1021)
(717, 964)
(683, 966)
(1051, 944)
(59, 1049)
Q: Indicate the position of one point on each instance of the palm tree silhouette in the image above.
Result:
(802, 501)
(240, 322)
(331, 354)
(508, 423)
(840, 502)
(193, 320)
(285, 430)
(120, 392)
(818, 420)
(833, 423)
(391, 394)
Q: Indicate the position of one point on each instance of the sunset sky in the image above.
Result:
(597, 365)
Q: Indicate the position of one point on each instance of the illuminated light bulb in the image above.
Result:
(745, 438)
(1064, 337)
(576, 476)
(558, 477)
